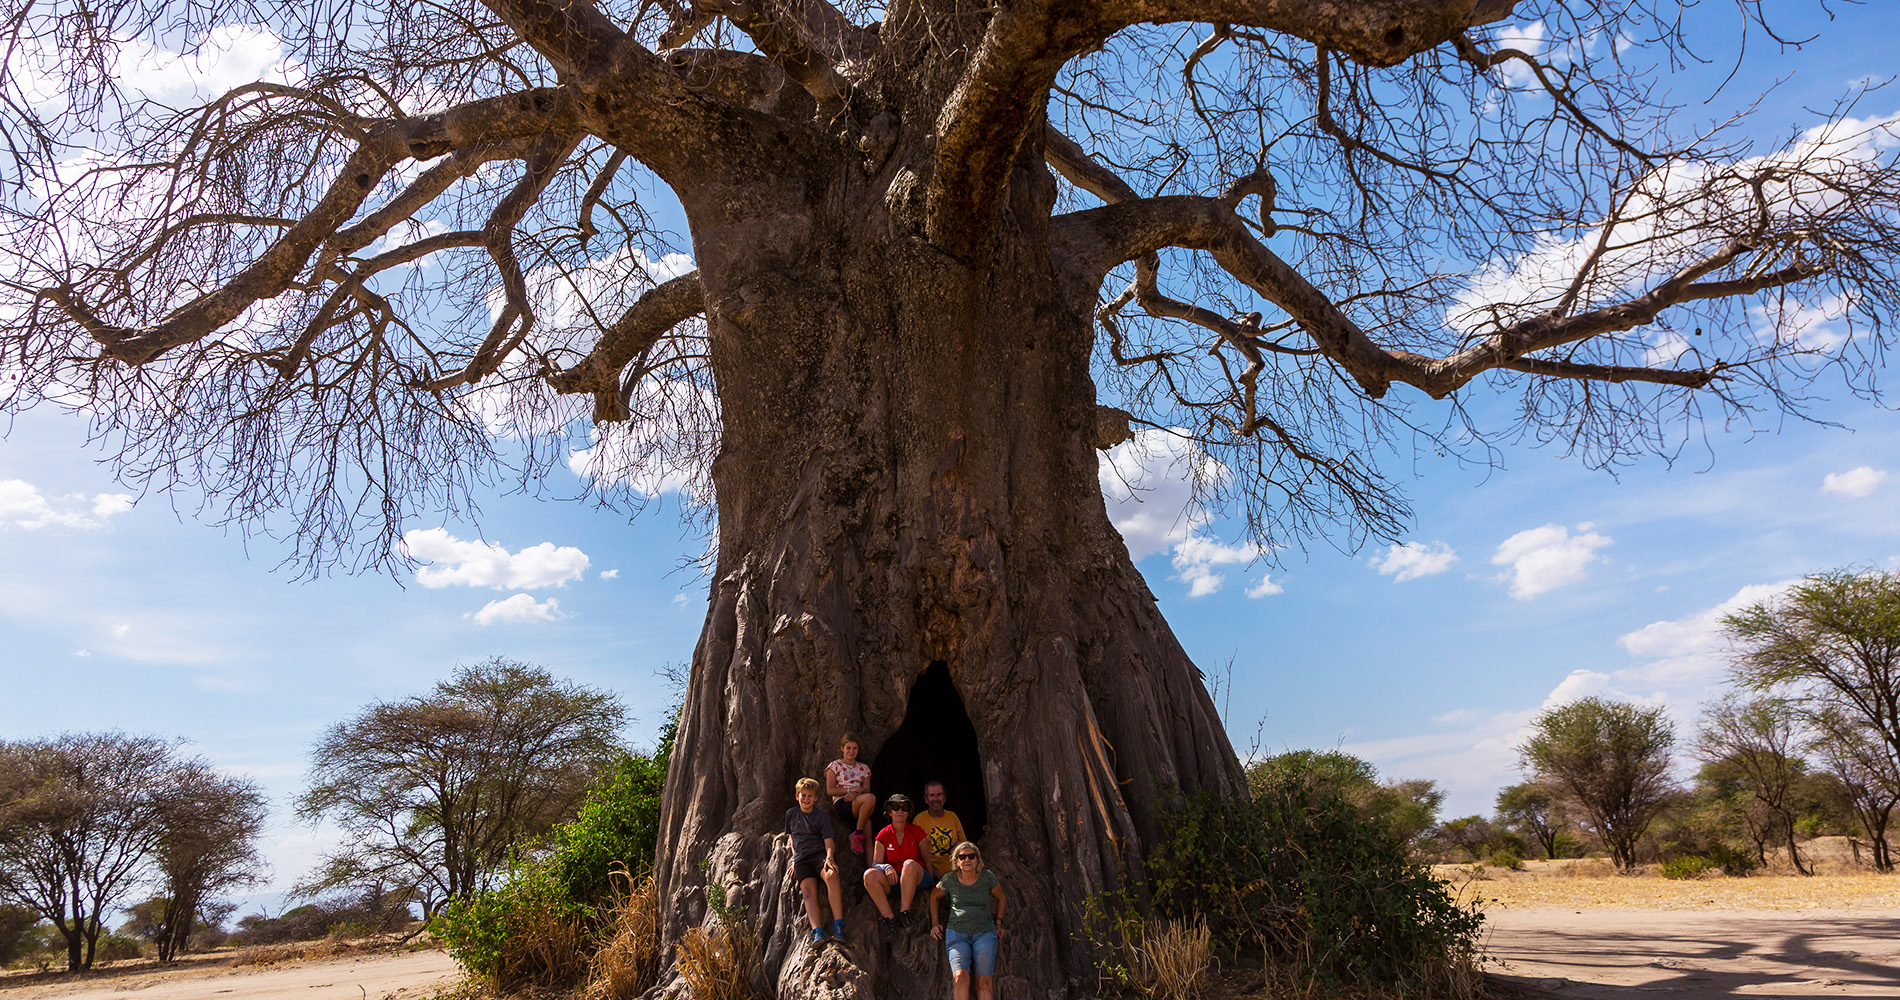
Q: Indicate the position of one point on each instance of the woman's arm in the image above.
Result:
(877, 851)
(996, 908)
(936, 919)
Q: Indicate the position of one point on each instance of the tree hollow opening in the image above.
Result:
(936, 742)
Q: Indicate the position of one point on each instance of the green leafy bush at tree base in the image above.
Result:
(1733, 862)
(1689, 867)
(1295, 875)
(550, 910)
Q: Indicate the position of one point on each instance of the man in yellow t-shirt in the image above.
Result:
(943, 831)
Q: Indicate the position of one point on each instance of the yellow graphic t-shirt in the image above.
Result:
(941, 836)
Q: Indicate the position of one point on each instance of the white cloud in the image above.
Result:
(1196, 556)
(1148, 484)
(486, 564)
(1543, 559)
(1415, 559)
(521, 609)
(82, 652)
(22, 506)
(1856, 482)
(1265, 588)
(609, 574)
(1691, 649)
(119, 631)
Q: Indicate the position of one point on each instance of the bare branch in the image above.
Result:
(636, 331)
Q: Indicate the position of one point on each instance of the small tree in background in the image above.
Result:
(1759, 741)
(79, 819)
(1537, 811)
(1831, 646)
(1869, 779)
(207, 845)
(435, 791)
(1613, 759)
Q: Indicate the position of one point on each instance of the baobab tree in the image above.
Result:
(941, 253)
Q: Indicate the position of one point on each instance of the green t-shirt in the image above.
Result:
(970, 905)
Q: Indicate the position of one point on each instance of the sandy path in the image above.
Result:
(355, 977)
(1620, 952)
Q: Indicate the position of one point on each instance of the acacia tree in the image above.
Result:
(433, 792)
(207, 845)
(941, 252)
(1536, 809)
(1760, 740)
(1612, 758)
(1831, 644)
(80, 816)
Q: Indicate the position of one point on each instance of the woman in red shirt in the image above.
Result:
(897, 860)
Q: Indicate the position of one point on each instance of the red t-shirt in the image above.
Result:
(895, 854)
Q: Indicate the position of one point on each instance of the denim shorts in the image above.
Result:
(967, 950)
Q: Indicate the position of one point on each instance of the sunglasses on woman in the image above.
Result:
(966, 857)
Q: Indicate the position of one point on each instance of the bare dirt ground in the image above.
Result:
(1578, 930)
(376, 975)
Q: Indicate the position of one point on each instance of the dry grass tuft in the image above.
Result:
(1175, 959)
(717, 965)
(629, 960)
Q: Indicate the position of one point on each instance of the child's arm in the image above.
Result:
(833, 787)
(831, 853)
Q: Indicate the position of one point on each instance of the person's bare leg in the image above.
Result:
(960, 983)
(865, 805)
(836, 885)
(810, 888)
(912, 878)
(985, 988)
(879, 890)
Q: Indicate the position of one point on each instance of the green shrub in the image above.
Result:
(1690, 867)
(116, 948)
(551, 909)
(1294, 874)
(1506, 857)
(1733, 862)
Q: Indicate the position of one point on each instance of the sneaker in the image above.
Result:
(903, 920)
(857, 841)
(837, 931)
(817, 935)
(889, 925)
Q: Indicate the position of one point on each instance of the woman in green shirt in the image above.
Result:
(976, 920)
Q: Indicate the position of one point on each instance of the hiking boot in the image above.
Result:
(857, 841)
(903, 920)
(817, 936)
(837, 931)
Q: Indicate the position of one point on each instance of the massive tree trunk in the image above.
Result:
(908, 480)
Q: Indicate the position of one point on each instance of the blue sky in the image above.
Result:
(1519, 586)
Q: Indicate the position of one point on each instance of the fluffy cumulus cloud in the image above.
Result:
(23, 506)
(1542, 559)
(1856, 482)
(454, 562)
(1149, 485)
(521, 609)
(1414, 559)
(1690, 650)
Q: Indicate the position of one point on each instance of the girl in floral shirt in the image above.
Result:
(849, 785)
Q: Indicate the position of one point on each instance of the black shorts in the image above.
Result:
(842, 810)
(804, 868)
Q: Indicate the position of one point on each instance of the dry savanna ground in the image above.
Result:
(1565, 929)
(1578, 929)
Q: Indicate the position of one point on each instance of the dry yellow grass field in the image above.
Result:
(1840, 884)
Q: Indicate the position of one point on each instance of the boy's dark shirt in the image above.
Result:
(809, 831)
